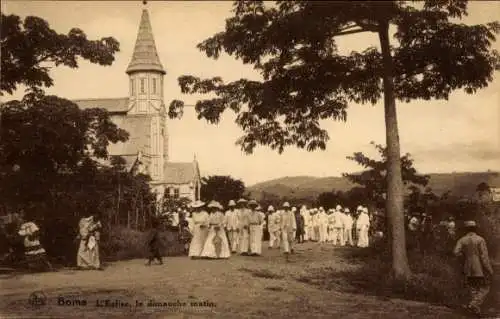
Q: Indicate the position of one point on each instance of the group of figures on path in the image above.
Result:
(240, 230)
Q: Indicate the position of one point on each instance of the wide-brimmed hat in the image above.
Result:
(270, 208)
(470, 223)
(360, 208)
(214, 204)
(242, 201)
(286, 204)
(294, 209)
(346, 210)
(231, 203)
(258, 208)
(338, 207)
(197, 204)
(365, 209)
(253, 202)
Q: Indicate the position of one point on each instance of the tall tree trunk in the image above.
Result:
(394, 200)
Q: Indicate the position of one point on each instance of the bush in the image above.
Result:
(122, 243)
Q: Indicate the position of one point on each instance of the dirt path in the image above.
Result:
(241, 287)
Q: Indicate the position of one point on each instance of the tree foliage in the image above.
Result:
(221, 188)
(373, 178)
(305, 79)
(51, 168)
(30, 46)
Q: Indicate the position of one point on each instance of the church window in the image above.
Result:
(154, 86)
(132, 91)
(142, 86)
(176, 193)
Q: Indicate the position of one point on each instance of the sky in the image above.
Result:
(461, 134)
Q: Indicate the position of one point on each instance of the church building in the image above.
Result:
(143, 114)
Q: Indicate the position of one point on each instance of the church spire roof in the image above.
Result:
(145, 56)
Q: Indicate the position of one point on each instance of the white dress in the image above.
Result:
(255, 220)
(200, 233)
(216, 245)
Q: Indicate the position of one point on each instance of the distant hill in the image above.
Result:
(460, 184)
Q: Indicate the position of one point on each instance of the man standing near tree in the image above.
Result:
(477, 269)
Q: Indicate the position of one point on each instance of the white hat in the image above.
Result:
(214, 204)
(253, 202)
(231, 203)
(286, 204)
(365, 209)
(198, 204)
(346, 210)
(321, 208)
(242, 201)
(470, 223)
(270, 208)
(294, 209)
(360, 208)
(259, 208)
(338, 207)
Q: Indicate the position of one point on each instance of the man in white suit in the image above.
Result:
(362, 227)
(288, 228)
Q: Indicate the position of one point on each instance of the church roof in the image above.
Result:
(180, 173)
(145, 56)
(112, 105)
(139, 129)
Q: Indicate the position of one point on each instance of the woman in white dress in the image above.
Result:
(200, 229)
(216, 245)
(255, 220)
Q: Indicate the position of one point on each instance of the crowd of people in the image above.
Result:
(244, 225)
(209, 231)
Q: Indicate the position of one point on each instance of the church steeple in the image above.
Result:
(145, 56)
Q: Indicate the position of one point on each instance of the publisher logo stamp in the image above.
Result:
(37, 299)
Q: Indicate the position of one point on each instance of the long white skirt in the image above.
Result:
(244, 242)
(256, 239)
(287, 239)
(198, 241)
(234, 238)
(210, 249)
(88, 258)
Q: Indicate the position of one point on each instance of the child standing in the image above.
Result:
(153, 244)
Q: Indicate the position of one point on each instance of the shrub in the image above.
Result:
(123, 243)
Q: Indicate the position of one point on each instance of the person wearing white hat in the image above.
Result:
(323, 225)
(232, 226)
(288, 228)
(274, 222)
(348, 222)
(338, 227)
(216, 245)
(331, 223)
(255, 221)
(243, 226)
(477, 269)
(362, 227)
(200, 229)
(314, 225)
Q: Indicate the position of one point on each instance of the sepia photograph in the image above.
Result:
(250, 159)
